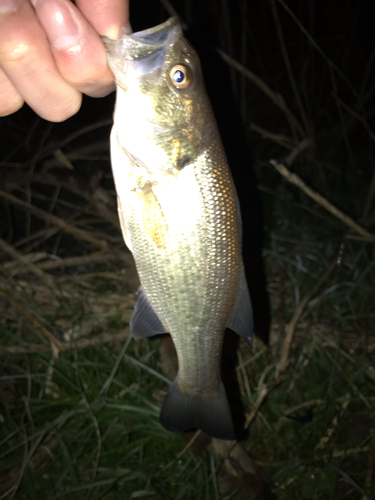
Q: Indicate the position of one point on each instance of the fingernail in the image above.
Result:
(58, 22)
(7, 6)
(113, 32)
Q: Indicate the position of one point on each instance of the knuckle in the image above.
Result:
(15, 51)
(87, 81)
(96, 87)
(64, 110)
(88, 76)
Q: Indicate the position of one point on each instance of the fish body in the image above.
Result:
(180, 218)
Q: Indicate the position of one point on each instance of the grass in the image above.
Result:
(79, 410)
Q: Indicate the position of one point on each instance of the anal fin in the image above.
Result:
(241, 321)
(144, 321)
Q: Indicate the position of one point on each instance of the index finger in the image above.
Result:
(106, 16)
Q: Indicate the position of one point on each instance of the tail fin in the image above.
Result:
(181, 412)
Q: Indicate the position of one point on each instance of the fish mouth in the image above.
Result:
(144, 43)
(160, 34)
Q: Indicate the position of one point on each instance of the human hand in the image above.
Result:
(51, 53)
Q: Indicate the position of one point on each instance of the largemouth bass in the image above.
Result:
(180, 218)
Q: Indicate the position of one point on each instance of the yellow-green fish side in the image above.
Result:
(179, 215)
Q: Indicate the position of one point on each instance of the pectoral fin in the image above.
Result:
(241, 321)
(153, 220)
(122, 223)
(144, 321)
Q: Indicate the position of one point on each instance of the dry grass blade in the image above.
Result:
(282, 140)
(262, 394)
(47, 279)
(68, 228)
(106, 338)
(356, 115)
(320, 51)
(289, 67)
(285, 348)
(275, 98)
(234, 456)
(297, 181)
(88, 188)
(79, 261)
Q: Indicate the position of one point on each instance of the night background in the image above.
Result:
(292, 87)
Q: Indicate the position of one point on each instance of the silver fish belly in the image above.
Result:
(179, 215)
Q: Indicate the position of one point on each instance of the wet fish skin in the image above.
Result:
(180, 218)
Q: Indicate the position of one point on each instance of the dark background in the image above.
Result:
(246, 31)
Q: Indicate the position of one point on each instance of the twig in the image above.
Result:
(275, 98)
(50, 148)
(342, 122)
(78, 233)
(83, 260)
(320, 51)
(288, 65)
(356, 115)
(62, 159)
(183, 451)
(297, 181)
(87, 188)
(331, 429)
(104, 338)
(316, 213)
(189, 444)
(285, 348)
(282, 140)
(47, 279)
(36, 238)
(235, 457)
(261, 397)
(293, 155)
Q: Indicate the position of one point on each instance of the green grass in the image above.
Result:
(102, 433)
(87, 423)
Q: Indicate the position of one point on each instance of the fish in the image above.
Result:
(180, 217)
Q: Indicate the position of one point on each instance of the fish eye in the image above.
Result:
(180, 76)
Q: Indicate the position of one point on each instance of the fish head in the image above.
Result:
(158, 118)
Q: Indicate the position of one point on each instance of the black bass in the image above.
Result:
(180, 218)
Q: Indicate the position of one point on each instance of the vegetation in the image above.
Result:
(80, 400)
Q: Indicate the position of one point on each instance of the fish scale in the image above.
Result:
(179, 218)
